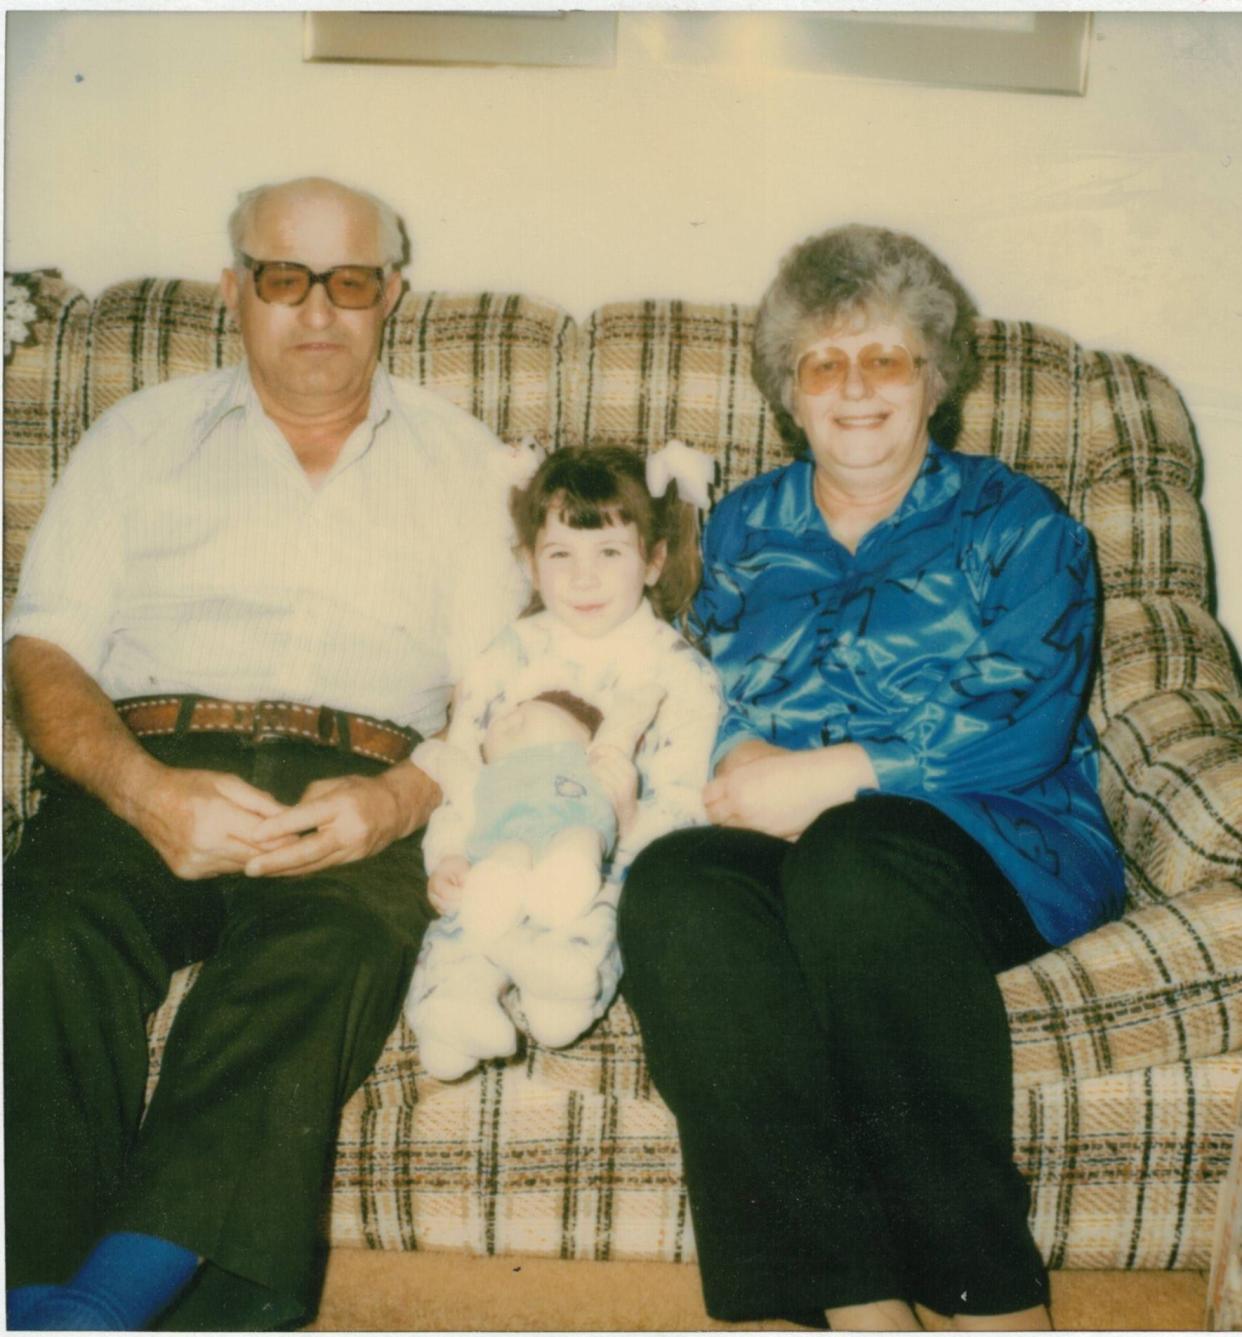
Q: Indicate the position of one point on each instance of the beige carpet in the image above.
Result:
(371, 1291)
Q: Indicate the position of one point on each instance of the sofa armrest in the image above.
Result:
(1161, 985)
(1171, 781)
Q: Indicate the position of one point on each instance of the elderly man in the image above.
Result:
(249, 596)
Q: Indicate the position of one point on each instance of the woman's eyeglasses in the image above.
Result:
(822, 369)
(287, 283)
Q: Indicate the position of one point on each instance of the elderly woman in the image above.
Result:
(904, 805)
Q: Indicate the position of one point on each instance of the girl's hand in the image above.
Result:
(780, 792)
(618, 778)
(447, 884)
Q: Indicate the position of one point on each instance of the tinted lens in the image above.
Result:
(821, 370)
(824, 369)
(282, 283)
(886, 366)
(354, 286)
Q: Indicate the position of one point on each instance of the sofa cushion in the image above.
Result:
(1136, 424)
(1150, 541)
(1124, 1169)
(573, 1154)
(506, 359)
(653, 371)
(1026, 405)
(1158, 644)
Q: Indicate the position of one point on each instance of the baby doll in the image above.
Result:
(533, 819)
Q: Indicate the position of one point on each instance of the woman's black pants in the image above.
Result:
(824, 1021)
(302, 984)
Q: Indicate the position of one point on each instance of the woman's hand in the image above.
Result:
(447, 884)
(779, 792)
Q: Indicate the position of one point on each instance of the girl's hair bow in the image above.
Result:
(692, 470)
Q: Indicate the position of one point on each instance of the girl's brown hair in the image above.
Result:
(591, 487)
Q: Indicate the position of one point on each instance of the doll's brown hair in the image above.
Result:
(592, 487)
(589, 716)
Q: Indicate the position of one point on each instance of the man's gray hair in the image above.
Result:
(855, 273)
(388, 226)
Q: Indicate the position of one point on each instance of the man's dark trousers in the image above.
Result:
(302, 984)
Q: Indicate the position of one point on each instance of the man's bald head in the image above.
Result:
(252, 205)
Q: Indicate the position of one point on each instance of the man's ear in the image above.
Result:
(228, 289)
(393, 286)
(655, 563)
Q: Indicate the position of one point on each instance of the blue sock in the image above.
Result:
(21, 1302)
(125, 1282)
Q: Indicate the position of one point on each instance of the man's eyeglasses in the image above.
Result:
(286, 283)
(822, 369)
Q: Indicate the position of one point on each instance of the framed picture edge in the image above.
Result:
(440, 37)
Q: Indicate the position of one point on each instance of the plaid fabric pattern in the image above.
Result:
(151, 330)
(1127, 1053)
(1171, 779)
(1137, 425)
(1026, 405)
(1160, 986)
(43, 405)
(508, 360)
(1124, 1169)
(573, 1155)
(653, 371)
(1224, 1304)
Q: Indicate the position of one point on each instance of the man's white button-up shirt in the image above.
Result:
(185, 550)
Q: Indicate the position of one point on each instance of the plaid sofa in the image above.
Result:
(1127, 1042)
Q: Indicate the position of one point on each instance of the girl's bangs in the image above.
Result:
(580, 512)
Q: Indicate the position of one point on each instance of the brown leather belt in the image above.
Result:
(260, 720)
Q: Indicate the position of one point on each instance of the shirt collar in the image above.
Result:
(939, 478)
(237, 394)
(796, 510)
(230, 397)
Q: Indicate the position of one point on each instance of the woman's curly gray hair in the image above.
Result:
(860, 272)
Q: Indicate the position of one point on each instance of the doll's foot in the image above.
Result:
(453, 1008)
(443, 1062)
(493, 899)
(454, 1035)
(556, 1022)
(562, 886)
(550, 964)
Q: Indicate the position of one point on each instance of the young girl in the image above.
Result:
(610, 564)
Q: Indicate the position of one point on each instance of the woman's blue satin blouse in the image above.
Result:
(956, 646)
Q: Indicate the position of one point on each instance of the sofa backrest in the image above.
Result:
(1107, 432)
(504, 358)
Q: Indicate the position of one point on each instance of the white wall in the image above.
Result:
(1116, 216)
